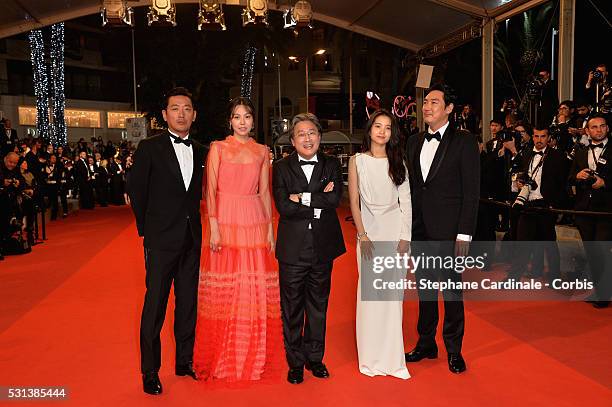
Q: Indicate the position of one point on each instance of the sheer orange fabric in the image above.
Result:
(238, 333)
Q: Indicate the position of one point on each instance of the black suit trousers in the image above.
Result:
(163, 267)
(454, 318)
(538, 227)
(596, 234)
(304, 292)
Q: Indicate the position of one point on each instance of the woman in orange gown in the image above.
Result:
(238, 333)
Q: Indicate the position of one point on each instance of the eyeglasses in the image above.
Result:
(304, 134)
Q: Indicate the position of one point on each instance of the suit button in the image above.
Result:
(187, 216)
(424, 188)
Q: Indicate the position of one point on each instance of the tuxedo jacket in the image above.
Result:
(288, 178)
(446, 203)
(162, 207)
(553, 184)
(587, 198)
(8, 142)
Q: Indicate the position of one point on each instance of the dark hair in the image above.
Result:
(498, 121)
(239, 101)
(541, 126)
(178, 91)
(526, 125)
(569, 103)
(597, 116)
(600, 65)
(449, 93)
(397, 169)
(305, 117)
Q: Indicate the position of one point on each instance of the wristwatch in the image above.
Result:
(300, 197)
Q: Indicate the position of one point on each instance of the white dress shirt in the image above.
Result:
(184, 155)
(428, 152)
(597, 152)
(308, 169)
(429, 149)
(536, 193)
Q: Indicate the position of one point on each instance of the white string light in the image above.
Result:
(39, 70)
(248, 70)
(58, 137)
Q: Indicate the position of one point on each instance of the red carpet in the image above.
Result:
(71, 310)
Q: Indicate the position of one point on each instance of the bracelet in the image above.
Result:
(360, 235)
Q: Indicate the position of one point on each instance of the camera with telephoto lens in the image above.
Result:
(525, 179)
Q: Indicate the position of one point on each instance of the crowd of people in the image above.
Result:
(36, 177)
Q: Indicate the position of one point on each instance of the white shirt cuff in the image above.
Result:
(317, 213)
(306, 198)
(465, 238)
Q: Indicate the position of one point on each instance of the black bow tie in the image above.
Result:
(538, 153)
(304, 162)
(436, 136)
(594, 146)
(178, 140)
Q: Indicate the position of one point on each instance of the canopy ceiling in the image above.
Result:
(412, 24)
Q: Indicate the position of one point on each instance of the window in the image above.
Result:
(116, 120)
(27, 115)
(82, 118)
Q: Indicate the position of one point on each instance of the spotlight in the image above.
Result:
(116, 13)
(256, 13)
(211, 16)
(300, 15)
(162, 12)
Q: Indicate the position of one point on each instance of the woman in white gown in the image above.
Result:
(380, 203)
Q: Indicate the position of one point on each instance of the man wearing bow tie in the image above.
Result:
(591, 174)
(444, 168)
(546, 170)
(165, 189)
(307, 190)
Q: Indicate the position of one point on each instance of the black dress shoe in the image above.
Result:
(151, 383)
(318, 369)
(600, 304)
(186, 370)
(456, 364)
(295, 376)
(416, 355)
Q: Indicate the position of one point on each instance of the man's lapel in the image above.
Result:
(197, 163)
(296, 168)
(169, 156)
(416, 156)
(317, 172)
(440, 154)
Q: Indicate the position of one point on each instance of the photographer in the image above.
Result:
(600, 90)
(590, 173)
(549, 99)
(542, 185)
(11, 187)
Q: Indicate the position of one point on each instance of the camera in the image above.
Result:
(591, 179)
(508, 135)
(597, 75)
(524, 178)
(534, 87)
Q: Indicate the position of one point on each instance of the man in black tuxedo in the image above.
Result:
(591, 173)
(307, 190)
(444, 167)
(542, 185)
(549, 101)
(83, 180)
(165, 189)
(8, 138)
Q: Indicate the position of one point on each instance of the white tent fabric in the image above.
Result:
(410, 24)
